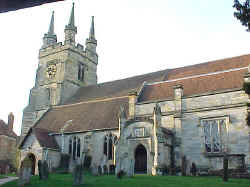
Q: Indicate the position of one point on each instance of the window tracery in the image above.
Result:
(214, 134)
(75, 147)
(108, 146)
(80, 72)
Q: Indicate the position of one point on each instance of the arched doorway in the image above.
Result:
(33, 160)
(140, 159)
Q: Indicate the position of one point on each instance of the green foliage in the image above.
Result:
(242, 12)
(246, 87)
(56, 180)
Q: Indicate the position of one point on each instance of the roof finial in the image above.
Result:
(92, 30)
(51, 26)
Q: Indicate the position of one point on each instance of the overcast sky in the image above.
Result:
(134, 37)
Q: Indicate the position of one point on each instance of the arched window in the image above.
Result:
(80, 72)
(78, 148)
(70, 146)
(108, 146)
(75, 147)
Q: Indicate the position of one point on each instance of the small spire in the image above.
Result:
(51, 26)
(72, 17)
(92, 30)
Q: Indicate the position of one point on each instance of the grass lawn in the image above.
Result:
(65, 180)
(2, 176)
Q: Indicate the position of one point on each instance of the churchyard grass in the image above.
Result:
(2, 176)
(66, 180)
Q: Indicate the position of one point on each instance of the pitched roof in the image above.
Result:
(4, 130)
(208, 67)
(193, 86)
(44, 139)
(201, 78)
(84, 116)
(115, 88)
(97, 106)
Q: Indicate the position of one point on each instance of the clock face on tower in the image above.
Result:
(51, 71)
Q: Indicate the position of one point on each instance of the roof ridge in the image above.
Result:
(90, 101)
(199, 75)
(210, 62)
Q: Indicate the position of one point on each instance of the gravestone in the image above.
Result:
(105, 170)
(78, 175)
(94, 170)
(40, 169)
(99, 170)
(25, 172)
(43, 170)
(131, 168)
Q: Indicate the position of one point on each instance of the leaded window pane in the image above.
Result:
(208, 145)
(70, 146)
(214, 133)
(78, 147)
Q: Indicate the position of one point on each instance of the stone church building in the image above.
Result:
(137, 124)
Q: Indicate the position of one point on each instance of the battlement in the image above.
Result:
(57, 47)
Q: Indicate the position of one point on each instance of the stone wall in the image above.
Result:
(187, 123)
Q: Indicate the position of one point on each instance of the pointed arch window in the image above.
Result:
(108, 146)
(215, 134)
(80, 72)
(75, 147)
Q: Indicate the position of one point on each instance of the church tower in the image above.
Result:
(62, 69)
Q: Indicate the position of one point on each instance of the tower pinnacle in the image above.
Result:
(50, 38)
(51, 26)
(70, 29)
(92, 30)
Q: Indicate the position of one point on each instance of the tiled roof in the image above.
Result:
(208, 67)
(44, 139)
(97, 106)
(116, 88)
(4, 130)
(193, 86)
(85, 116)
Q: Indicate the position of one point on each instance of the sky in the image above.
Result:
(134, 37)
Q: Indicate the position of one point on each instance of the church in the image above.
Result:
(139, 124)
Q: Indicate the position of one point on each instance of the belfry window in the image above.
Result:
(214, 134)
(75, 147)
(80, 72)
(108, 146)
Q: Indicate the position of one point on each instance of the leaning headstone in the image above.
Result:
(25, 172)
(78, 175)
